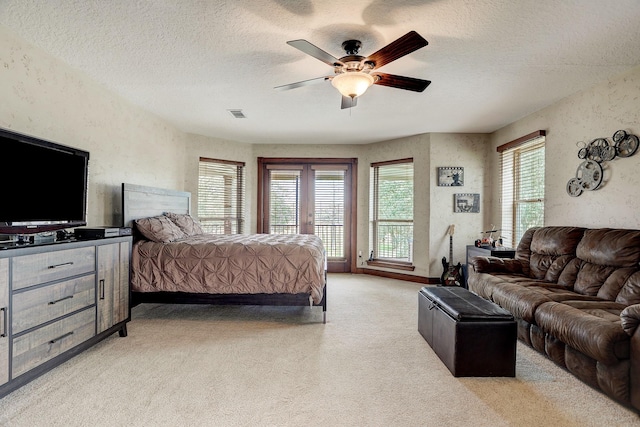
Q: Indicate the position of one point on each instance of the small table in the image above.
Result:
(500, 252)
(472, 336)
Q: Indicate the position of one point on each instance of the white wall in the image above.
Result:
(45, 98)
(584, 116)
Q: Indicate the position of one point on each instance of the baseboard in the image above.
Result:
(399, 276)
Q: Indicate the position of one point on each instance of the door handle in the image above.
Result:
(4, 322)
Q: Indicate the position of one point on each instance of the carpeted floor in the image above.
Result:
(280, 366)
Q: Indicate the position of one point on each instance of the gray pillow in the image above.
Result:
(159, 229)
(188, 224)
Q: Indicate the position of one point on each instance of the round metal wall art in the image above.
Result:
(590, 173)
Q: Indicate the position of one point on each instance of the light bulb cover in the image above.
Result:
(352, 83)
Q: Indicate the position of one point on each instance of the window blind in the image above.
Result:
(284, 201)
(522, 188)
(221, 196)
(391, 210)
(329, 210)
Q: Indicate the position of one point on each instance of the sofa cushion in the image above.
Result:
(523, 251)
(559, 294)
(606, 258)
(552, 248)
(591, 327)
(607, 246)
(630, 292)
(521, 301)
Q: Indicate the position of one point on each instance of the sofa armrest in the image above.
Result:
(630, 318)
(491, 264)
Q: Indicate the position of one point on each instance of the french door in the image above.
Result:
(310, 196)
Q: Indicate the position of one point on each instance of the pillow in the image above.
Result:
(159, 229)
(185, 222)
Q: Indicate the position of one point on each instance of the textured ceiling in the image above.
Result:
(490, 62)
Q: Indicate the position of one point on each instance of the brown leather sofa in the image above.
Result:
(575, 294)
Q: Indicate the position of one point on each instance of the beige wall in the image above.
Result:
(470, 152)
(200, 146)
(428, 152)
(45, 98)
(584, 116)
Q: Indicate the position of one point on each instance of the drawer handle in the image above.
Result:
(68, 334)
(61, 265)
(61, 299)
(4, 322)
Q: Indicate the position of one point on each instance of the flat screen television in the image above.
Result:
(43, 185)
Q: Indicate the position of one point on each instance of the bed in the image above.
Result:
(173, 261)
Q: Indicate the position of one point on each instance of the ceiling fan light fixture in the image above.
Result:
(352, 83)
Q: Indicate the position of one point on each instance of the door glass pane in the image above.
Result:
(284, 201)
(329, 210)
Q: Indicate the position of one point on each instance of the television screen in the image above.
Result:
(44, 185)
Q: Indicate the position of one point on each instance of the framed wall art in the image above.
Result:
(450, 176)
(466, 202)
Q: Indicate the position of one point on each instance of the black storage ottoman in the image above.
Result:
(472, 336)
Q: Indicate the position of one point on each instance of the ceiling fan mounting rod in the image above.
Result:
(351, 47)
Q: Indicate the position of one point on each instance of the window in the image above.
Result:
(391, 211)
(522, 185)
(221, 190)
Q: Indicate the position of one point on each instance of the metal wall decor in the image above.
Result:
(590, 173)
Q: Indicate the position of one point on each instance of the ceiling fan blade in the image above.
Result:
(406, 44)
(303, 83)
(314, 51)
(401, 82)
(348, 102)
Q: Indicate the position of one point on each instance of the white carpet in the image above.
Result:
(280, 366)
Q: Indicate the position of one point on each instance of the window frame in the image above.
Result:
(375, 259)
(511, 179)
(234, 201)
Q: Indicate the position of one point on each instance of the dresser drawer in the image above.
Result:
(36, 306)
(43, 344)
(29, 270)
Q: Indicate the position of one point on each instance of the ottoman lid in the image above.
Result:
(464, 305)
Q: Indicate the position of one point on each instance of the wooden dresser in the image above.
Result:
(57, 300)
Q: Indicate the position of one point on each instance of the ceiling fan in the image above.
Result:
(354, 74)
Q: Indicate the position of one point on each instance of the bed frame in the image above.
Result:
(141, 202)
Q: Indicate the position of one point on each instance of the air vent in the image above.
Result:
(238, 114)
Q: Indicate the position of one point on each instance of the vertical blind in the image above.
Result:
(221, 193)
(522, 188)
(391, 210)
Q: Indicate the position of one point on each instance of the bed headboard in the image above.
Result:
(141, 202)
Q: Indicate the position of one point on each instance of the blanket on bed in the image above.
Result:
(231, 264)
